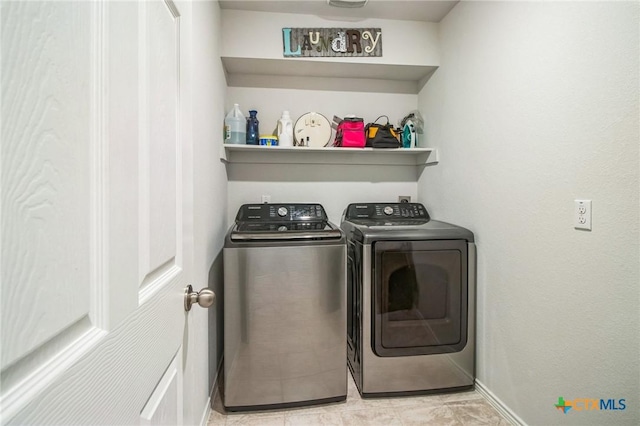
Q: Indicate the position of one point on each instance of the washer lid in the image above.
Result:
(283, 222)
(286, 231)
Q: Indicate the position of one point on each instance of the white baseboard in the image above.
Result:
(204, 420)
(212, 395)
(499, 405)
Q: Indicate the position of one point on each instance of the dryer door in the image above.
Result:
(420, 297)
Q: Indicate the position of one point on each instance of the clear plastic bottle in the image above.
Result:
(235, 126)
(285, 130)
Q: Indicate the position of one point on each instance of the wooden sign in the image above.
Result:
(356, 42)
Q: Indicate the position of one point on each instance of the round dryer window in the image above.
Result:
(312, 129)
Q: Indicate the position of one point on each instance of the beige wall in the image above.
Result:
(535, 105)
(204, 345)
(259, 35)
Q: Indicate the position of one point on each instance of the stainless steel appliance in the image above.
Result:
(284, 308)
(410, 299)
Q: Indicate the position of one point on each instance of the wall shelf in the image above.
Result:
(325, 74)
(328, 155)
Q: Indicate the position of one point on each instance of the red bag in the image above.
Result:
(350, 133)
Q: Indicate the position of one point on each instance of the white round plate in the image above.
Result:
(314, 128)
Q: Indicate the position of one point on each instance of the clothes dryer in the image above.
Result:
(410, 300)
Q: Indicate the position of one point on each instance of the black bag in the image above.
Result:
(381, 135)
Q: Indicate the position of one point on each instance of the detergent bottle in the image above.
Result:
(285, 130)
(235, 126)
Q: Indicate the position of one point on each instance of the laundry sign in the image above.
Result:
(297, 42)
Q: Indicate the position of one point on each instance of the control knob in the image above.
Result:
(282, 211)
(388, 210)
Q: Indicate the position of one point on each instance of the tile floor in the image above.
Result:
(463, 408)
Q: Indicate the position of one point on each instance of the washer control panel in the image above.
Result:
(382, 211)
(281, 213)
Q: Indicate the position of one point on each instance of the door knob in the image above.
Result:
(204, 297)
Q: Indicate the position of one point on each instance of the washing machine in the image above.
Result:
(284, 308)
(410, 300)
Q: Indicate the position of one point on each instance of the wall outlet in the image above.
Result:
(266, 198)
(404, 198)
(582, 214)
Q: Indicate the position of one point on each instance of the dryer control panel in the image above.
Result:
(386, 211)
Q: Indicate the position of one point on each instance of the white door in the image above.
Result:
(96, 227)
